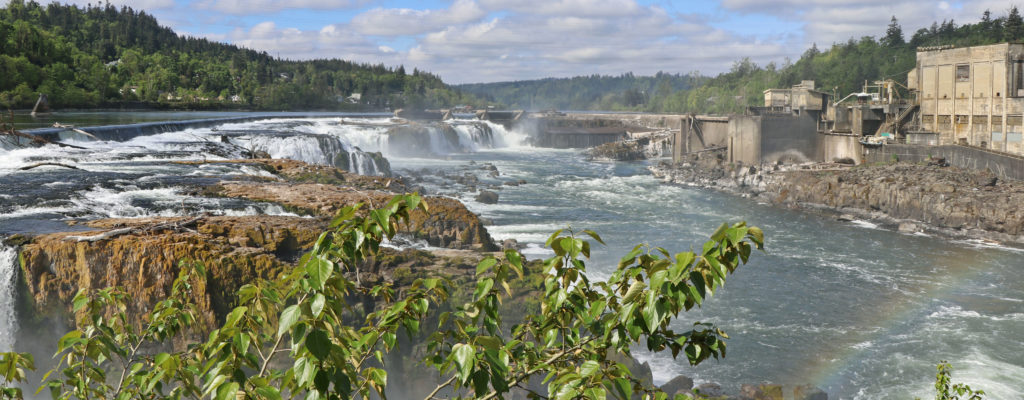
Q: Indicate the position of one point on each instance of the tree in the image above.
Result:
(1013, 29)
(299, 335)
(893, 34)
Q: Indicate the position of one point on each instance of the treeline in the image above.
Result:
(625, 92)
(106, 56)
(841, 69)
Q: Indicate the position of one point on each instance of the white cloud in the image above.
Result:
(250, 7)
(582, 8)
(135, 4)
(836, 21)
(404, 21)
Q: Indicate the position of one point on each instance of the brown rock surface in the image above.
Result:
(948, 198)
(953, 201)
(447, 224)
(235, 250)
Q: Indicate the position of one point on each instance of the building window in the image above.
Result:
(1016, 79)
(963, 73)
(1013, 137)
(997, 137)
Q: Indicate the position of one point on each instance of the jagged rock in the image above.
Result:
(617, 151)
(761, 392)
(235, 251)
(710, 389)
(509, 244)
(951, 199)
(808, 392)
(448, 223)
(678, 385)
(846, 218)
(487, 197)
(908, 227)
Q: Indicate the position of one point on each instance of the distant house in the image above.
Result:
(355, 98)
(236, 98)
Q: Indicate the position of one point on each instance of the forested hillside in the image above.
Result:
(841, 69)
(623, 92)
(106, 56)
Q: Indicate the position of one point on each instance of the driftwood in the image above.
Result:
(175, 226)
(73, 129)
(55, 164)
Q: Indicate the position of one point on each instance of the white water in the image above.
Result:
(8, 291)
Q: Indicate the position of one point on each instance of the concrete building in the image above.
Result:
(799, 99)
(972, 95)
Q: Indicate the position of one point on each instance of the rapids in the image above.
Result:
(861, 312)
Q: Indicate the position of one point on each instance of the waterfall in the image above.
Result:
(8, 288)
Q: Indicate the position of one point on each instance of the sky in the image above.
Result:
(468, 41)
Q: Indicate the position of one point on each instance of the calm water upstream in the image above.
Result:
(858, 311)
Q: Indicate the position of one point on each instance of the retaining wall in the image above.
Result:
(1004, 166)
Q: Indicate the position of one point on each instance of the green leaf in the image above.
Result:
(589, 367)
(485, 264)
(268, 392)
(288, 319)
(634, 290)
(515, 259)
(719, 234)
(464, 356)
(757, 234)
(81, 299)
(594, 235)
(235, 316)
(552, 238)
(595, 393)
(319, 344)
(621, 387)
(319, 270)
(629, 257)
(317, 306)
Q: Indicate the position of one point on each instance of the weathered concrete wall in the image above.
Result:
(716, 133)
(1004, 166)
(788, 137)
(697, 133)
(745, 139)
(578, 140)
(835, 147)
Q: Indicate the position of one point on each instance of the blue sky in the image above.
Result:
(499, 40)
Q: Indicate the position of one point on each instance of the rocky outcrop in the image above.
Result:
(617, 151)
(946, 198)
(234, 250)
(910, 197)
(448, 223)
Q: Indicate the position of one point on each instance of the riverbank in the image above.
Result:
(911, 198)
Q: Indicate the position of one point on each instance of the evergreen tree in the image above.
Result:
(894, 34)
(1014, 27)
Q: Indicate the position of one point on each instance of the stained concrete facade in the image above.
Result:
(698, 132)
(972, 95)
(754, 139)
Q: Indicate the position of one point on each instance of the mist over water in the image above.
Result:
(859, 311)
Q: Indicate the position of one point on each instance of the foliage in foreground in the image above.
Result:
(299, 336)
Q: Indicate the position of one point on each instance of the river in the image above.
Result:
(858, 311)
